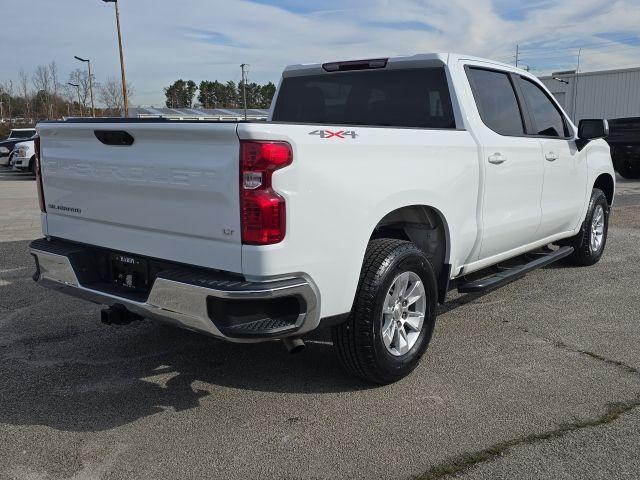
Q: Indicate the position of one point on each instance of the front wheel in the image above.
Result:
(392, 320)
(590, 242)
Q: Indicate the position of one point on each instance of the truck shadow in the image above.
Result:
(60, 367)
(103, 392)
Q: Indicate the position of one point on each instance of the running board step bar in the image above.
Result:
(504, 277)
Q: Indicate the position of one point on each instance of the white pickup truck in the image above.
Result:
(23, 157)
(375, 187)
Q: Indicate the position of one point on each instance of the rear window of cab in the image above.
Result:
(416, 98)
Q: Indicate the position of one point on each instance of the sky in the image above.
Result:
(208, 39)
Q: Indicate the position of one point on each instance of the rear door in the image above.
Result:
(565, 168)
(511, 162)
(167, 190)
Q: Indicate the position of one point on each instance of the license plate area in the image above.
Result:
(129, 272)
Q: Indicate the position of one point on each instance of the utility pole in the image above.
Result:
(517, 53)
(78, 91)
(87, 61)
(244, 89)
(575, 87)
(124, 80)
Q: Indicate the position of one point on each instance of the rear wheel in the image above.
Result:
(590, 242)
(392, 320)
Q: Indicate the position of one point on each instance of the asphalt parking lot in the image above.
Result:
(540, 379)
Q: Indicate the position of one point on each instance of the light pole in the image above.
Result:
(87, 61)
(244, 89)
(124, 80)
(78, 91)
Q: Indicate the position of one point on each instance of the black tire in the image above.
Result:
(358, 341)
(32, 166)
(584, 254)
(628, 170)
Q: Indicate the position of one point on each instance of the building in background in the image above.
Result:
(220, 114)
(603, 94)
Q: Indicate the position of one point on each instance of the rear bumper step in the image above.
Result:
(218, 304)
(504, 277)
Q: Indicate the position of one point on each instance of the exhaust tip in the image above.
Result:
(294, 345)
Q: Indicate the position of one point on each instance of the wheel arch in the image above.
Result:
(606, 183)
(427, 227)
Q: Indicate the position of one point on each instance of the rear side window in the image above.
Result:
(548, 119)
(391, 98)
(497, 101)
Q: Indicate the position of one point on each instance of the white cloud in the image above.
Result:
(208, 39)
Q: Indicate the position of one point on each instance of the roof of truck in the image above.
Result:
(398, 61)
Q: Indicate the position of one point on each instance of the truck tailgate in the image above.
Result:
(172, 194)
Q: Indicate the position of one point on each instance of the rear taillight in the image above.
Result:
(36, 144)
(262, 210)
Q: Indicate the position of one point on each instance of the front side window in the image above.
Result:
(547, 118)
(394, 98)
(497, 101)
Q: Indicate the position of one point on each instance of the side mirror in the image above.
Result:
(590, 129)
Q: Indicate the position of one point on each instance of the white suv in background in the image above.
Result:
(23, 157)
(16, 136)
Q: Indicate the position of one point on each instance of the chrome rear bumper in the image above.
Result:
(182, 299)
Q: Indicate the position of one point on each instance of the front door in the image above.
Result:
(565, 168)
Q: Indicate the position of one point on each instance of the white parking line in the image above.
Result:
(10, 270)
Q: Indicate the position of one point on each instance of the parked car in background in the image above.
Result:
(23, 157)
(16, 135)
(624, 140)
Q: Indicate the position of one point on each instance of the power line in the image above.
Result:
(569, 54)
(537, 52)
(604, 43)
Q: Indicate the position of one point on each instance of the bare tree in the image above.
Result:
(70, 96)
(6, 94)
(110, 94)
(41, 80)
(23, 89)
(55, 87)
(81, 78)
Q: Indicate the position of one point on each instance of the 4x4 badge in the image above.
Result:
(339, 134)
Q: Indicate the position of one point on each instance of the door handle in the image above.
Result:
(552, 157)
(497, 158)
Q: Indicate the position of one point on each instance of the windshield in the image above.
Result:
(397, 98)
(22, 133)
